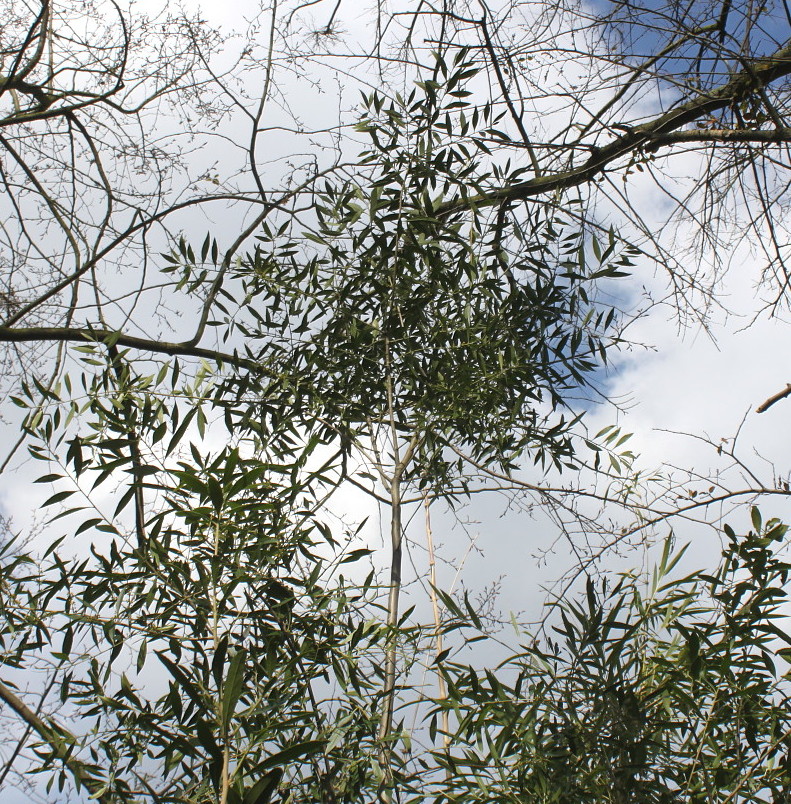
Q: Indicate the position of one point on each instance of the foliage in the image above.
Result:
(674, 689)
(231, 661)
(229, 580)
(224, 654)
(461, 329)
(198, 626)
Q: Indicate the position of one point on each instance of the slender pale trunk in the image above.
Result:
(225, 779)
(388, 689)
(389, 685)
(438, 645)
(400, 464)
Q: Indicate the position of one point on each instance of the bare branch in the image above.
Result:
(764, 406)
(61, 742)
(645, 137)
(99, 336)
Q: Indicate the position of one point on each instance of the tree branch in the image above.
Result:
(662, 130)
(61, 742)
(771, 136)
(762, 408)
(98, 336)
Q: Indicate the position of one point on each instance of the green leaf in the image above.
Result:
(207, 739)
(88, 524)
(182, 680)
(218, 660)
(232, 688)
(215, 493)
(57, 497)
(48, 478)
(291, 753)
(263, 790)
(178, 435)
(355, 555)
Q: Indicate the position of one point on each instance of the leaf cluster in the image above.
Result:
(467, 329)
(675, 690)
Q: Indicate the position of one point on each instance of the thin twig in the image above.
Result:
(61, 742)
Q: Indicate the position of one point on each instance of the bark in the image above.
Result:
(664, 130)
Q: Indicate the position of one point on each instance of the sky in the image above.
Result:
(683, 394)
(678, 379)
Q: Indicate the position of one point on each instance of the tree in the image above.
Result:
(414, 338)
(371, 347)
(717, 76)
(650, 689)
(263, 648)
(416, 321)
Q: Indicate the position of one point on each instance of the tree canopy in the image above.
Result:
(227, 300)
